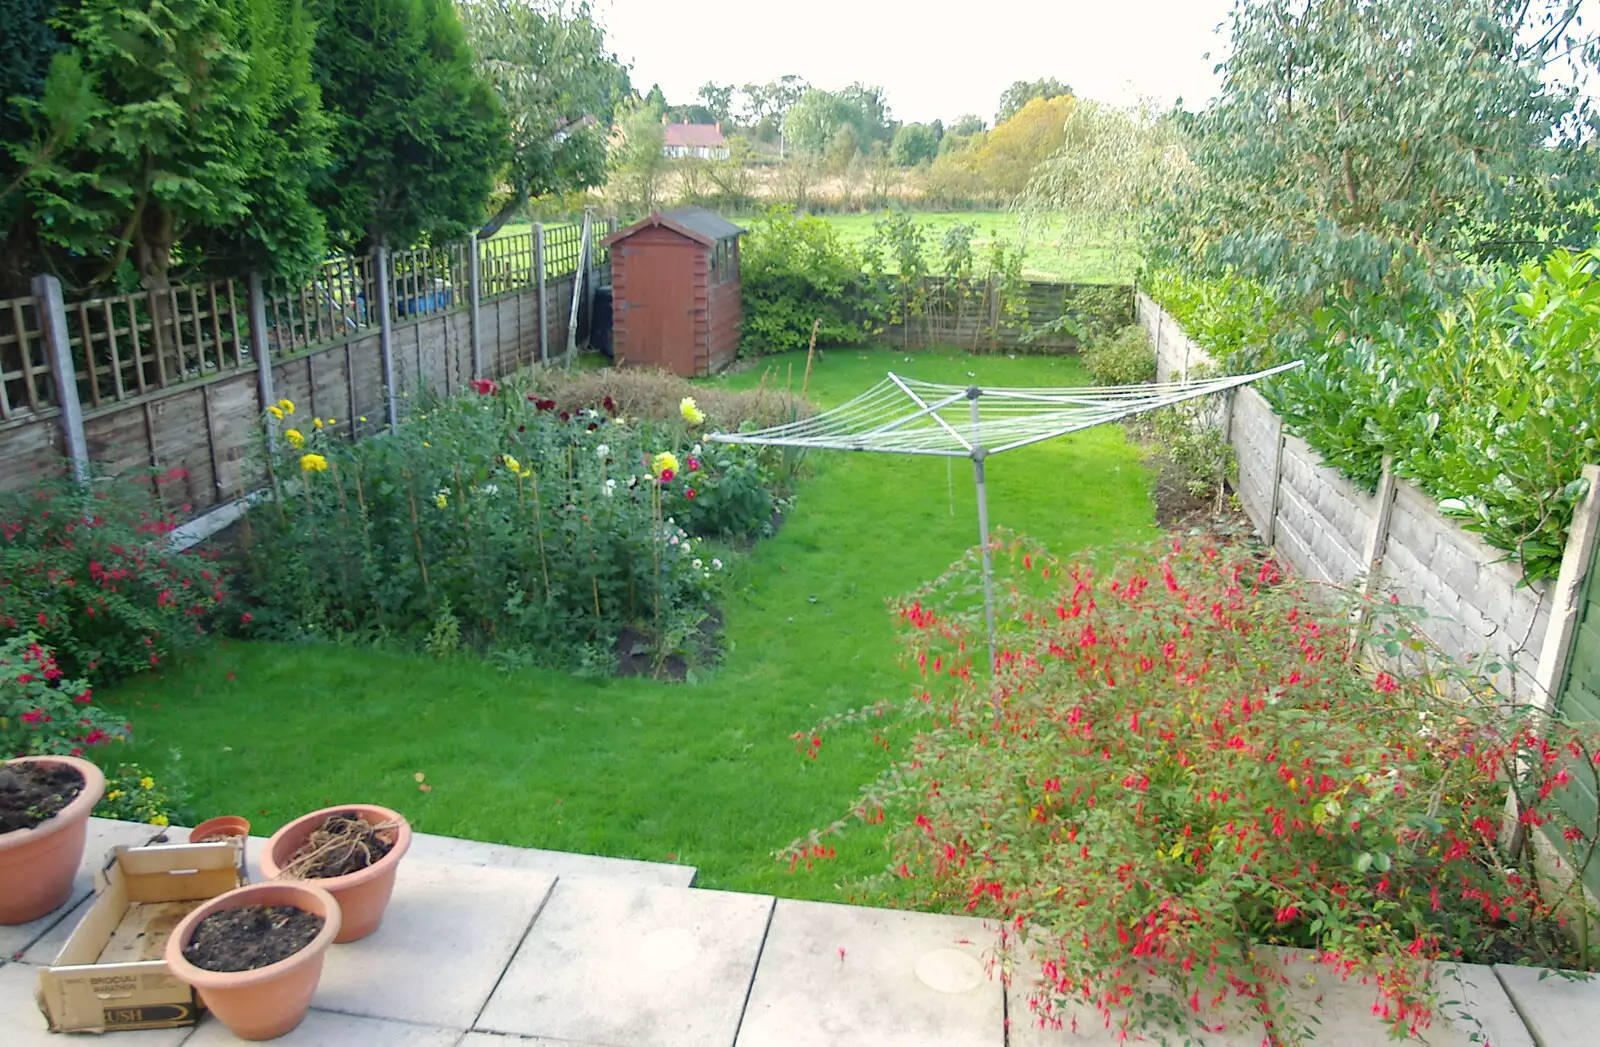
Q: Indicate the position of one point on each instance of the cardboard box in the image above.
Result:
(110, 975)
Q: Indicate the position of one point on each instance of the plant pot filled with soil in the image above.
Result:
(351, 851)
(45, 802)
(255, 954)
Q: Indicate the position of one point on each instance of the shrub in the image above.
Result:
(1488, 404)
(1121, 358)
(796, 270)
(1186, 759)
(91, 575)
(134, 795)
(42, 711)
(726, 491)
(495, 519)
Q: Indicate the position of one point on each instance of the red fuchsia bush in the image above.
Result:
(90, 573)
(1192, 758)
(42, 711)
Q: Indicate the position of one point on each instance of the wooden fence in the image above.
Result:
(972, 314)
(174, 381)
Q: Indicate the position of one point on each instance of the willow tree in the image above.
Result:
(549, 65)
(1377, 147)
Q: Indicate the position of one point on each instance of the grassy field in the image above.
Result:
(1056, 250)
(702, 773)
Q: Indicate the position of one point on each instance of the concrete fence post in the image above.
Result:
(1378, 537)
(386, 333)
(1271, 537)
(544, 309)
(63, 371)
(475, 301)
(262, 355)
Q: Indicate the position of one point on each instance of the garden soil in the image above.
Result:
(32, 793)
(251, 937)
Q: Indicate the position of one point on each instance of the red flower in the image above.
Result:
(688, 492)
(610, 405)
(694, 464)
(246, 618)
(485, 386)
(667, 476)
(1385, 682)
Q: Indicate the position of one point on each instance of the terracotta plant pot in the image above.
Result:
(268, 1001)
(223, 828)
(362, 895)
(37, 865)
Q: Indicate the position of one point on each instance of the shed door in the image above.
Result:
(661, 306)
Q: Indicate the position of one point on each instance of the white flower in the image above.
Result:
(684, 548)
(603, 451)
(695, 450)
(609, 489)
(671, 522)
(490, 489)
(698, 564)
(717, 564)
(673, 539)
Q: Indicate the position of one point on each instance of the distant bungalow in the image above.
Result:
(701, 140)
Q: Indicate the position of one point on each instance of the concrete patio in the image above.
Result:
(491, 946)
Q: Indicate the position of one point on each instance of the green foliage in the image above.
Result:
(1191, 757)
(491, 519)
(915, 144)
(91, 575)
(638, 170)
(559, 85)
(42, 712)
(166, 122)
(813, 123)
(1120, 358)
(419, 135)
(1021, 92)
(1372, 149)
(1487, 405)
(133, 794)
(796, 270)
(727, 490)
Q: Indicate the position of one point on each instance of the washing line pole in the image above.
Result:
(978, 456)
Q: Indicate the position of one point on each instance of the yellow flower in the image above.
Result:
(691, 411)
(276, 412)
(363, 418)
(441, 499)
(317, 422)
(313, 463)
(332, 420)
(426, 444)
(159, 819)
(664, 461)
(147, 782)
(114, 794)
(511, 463)
(295, 437)
(286, 406)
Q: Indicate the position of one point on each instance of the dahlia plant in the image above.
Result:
(1190, 757)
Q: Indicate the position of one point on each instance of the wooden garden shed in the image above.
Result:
(675, 292)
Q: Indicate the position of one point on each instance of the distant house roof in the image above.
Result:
(695, 136)
(694, 222)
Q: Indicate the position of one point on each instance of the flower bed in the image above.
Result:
(503, 519)
(1190, 758)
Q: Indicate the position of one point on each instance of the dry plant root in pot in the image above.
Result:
(352, 851)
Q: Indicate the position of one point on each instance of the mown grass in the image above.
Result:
(703, 773)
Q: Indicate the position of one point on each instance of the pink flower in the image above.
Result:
(667, 476)
(485, 387)
(1385, 682)
(688, 492)
(694, 464)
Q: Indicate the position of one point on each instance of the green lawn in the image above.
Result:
(702, 773)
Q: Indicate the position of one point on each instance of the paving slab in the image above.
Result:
(325, 1029)
(448, 934)
(501, 1039)
(844, 976)
(429, 848)
(21, 1024)
(104, 834)
(1475, 1012)
(627, 965)
(1559, 1011)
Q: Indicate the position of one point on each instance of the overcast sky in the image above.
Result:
(932, 57)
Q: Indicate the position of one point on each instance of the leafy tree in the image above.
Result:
(1020, 93)
(1009, 154)
(638, 168)
(1373, 148)
(966, 125)
(656, 98)
(768, 103)
(26, 48)
(915, 144)
(182, 122)
(559, 85)
(812, 122)
(419, 134)
(718, 100)
(867, 111)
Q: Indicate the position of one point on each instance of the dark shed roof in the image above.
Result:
(694, 222)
